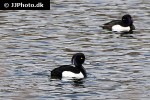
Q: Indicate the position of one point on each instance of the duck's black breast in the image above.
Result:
(57, 72)
(110, 24)
(132, 27)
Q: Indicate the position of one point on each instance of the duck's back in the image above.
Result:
(57, 72)
(109, 25)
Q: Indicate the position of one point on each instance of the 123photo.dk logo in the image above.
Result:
(40, 4)
(25, 5)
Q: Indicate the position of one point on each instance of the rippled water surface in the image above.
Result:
(34, 42)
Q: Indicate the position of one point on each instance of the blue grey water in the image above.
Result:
(34, 42)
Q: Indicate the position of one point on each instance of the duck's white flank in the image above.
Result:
(72, 75)
(119, 28)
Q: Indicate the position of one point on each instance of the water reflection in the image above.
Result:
(127, 34)
(73, 82)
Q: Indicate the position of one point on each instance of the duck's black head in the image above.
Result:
(78, 59)
(127, 20)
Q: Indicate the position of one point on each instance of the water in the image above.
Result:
(34, 42)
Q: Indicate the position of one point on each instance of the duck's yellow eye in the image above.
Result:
(81, 58)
